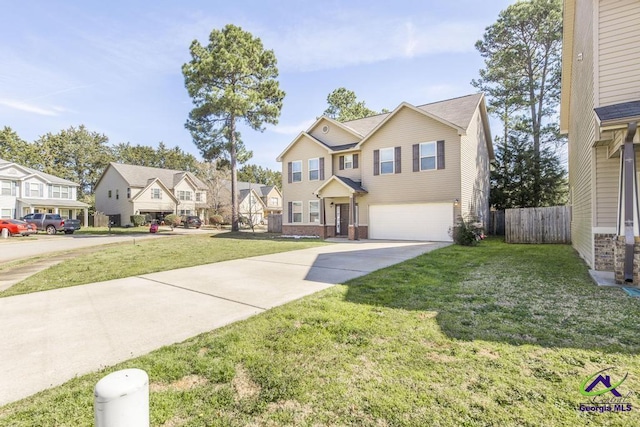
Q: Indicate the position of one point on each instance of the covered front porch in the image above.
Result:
(339, 210)
(619, 134)
(66, 208)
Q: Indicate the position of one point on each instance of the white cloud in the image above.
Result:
(292, 129)
(336, 44)
(32, 108)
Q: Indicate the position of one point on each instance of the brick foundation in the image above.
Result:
(322, 231)
(604, 247)
(619, 255)
(303, 230)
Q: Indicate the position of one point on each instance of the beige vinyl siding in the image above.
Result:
(354, 174)
(304, 150)
(113, 181)
(474, 162)
(607, 177)
(406, 128)
(336, 135)
(185, 185)
(144, 202)
(582, 133)
(618, 51)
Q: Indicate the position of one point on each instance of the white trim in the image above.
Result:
(603, 230)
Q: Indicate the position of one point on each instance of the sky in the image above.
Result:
(115, 66)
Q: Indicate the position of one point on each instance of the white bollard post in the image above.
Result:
(5, 233)
(121, 399)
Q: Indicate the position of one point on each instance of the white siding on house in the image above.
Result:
(606, 194)
(474, 166)
(618, 50)
(582, 131)
(112, 181)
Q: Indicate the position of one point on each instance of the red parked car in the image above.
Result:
(15, 227)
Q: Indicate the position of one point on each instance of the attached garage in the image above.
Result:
(426, 221)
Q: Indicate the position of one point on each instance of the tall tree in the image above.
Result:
(231, 79)
(260, 175)
(522, 52)
(15, 149)
(344, 106)
(75, 154)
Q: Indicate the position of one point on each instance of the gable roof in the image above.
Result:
(351, 185)
(456, 112)
(161, 184)
(139, 176)
(51, 179)
(242, 194)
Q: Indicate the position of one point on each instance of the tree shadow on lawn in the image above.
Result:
(517, 294)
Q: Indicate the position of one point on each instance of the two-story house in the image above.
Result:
(270, 200)
(406, 175)
(125, 190)
(24, 190)
(599, 111)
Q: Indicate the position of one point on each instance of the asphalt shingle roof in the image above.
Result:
(457, 111)
(618, 111)
(139, 176)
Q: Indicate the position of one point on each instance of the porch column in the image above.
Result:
(86, 217)
(353, 218)
(628, 203)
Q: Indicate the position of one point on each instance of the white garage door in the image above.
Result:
(428, 221)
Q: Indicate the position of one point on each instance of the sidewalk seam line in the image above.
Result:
(200, 292)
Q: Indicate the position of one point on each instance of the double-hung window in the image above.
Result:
(296, 208)
(428, 156)
(348, 161)
(296, 171)
(156, 193)
(314, 211)
(387, 160)
(8, 188)
(314, 169)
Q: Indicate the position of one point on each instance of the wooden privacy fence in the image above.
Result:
(274, 223)
(538, 225)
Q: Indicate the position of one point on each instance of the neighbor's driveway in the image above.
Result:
(50, 337)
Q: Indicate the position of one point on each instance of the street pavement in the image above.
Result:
(50, 337)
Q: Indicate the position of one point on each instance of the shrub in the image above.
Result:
(172, 220)
(138, 220)
(216, 220)
(467, 232)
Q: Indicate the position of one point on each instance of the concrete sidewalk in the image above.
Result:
(50, 337)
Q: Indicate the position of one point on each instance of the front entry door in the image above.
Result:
(342, 219)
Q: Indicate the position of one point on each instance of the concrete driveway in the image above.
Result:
(50, 337)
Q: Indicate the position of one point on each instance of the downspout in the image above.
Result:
(629, 179)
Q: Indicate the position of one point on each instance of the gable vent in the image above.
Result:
(325, 129)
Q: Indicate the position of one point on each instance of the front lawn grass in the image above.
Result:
(494, 335)
(145, 256)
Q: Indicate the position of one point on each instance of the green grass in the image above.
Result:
(152, 255)
(494, 335)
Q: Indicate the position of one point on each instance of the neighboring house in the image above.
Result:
(251, 206)
(270, 195)
(24, 190)
(407, 175)
(127, 190)
(599, 111)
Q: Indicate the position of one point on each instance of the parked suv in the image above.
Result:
(191, 221)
